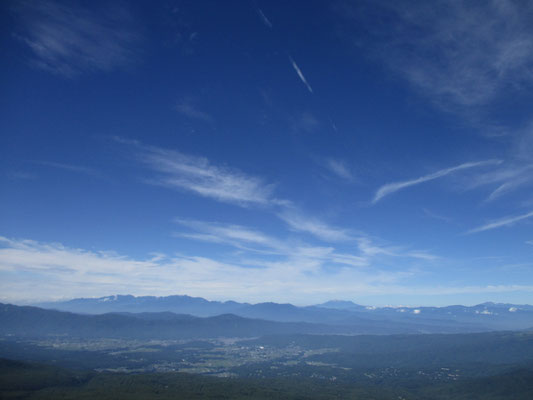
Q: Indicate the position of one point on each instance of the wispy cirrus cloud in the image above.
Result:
(235, 235)
(370, 249)
(304, 223)
(69, 167)
(198, 175)
(254, 242)
(505, 179)
(189, 110)
(339, 168)
(300, 74)
(345, 248)
(67, 38)
(257, 242)
(433, 215)
(506, 221)
(390, 188)
(364, 252)
(264, 18)
(460, 54)
(510, 186)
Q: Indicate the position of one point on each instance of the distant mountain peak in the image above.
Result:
(340, 305)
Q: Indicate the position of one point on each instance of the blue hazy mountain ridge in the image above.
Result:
(482, 317)
(128, 303)
(29, 321)
(34, 322)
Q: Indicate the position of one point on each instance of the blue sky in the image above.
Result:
(267, 151)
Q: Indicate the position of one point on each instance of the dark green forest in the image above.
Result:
(20, 380)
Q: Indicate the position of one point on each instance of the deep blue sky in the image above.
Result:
(267, 151)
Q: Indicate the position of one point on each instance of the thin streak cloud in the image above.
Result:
(390, 188)
(264, 18)
(300, 75)
(509, 179)
(501, 222)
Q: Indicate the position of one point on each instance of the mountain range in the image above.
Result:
(344, 315)
(34, 322)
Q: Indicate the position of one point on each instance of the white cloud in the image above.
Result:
(263, 17)
(300, 75)
(256, 242)
(501, 222)
(433, 215)
(32, 271)
(365, 251)
(200, 176)
(367, 247)
(68, 39)
(296, 250)
(507, 187)
(461, 53)
(235, 235)
(315, 227)
(508, 179)
(31, 255)
(349, 259)
(339, 168)
(421, 255)
(390, 188)
(371, 249)
(186, 108)
(454, 290)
